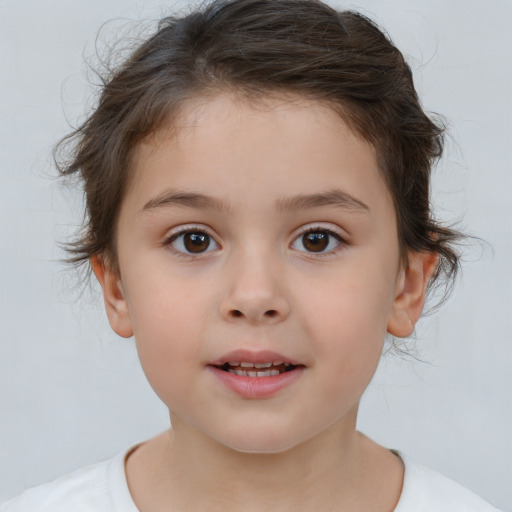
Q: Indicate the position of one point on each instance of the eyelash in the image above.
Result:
(173, 237)
(168, 242)
(341, 242)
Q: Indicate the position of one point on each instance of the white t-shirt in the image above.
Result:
(102, 487)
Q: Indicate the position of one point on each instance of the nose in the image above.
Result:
(254, 293)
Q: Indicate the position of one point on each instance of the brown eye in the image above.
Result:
(193, 242)
(196, 242)
(317, 241)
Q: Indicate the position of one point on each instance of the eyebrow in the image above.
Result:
(186, 199)
(336, 198)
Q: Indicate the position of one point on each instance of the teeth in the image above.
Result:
(245, 364)
(248, 369)
(263, 365)
(248, 373)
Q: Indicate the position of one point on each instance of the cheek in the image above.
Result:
(166, 306)
(167, 323)
(350, 308)
(347, 322)
(350, 355)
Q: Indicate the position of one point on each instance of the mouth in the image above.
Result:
(256, 370)
(257, 374)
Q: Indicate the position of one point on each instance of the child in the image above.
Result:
(257, 185)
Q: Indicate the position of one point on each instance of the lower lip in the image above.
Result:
(257, 387)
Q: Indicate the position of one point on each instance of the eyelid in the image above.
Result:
(320, 226)
(183, 229)
(334, 231)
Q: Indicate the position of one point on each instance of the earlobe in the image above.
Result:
(410, 293)
(114, 297)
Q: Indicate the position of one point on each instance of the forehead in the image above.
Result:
(257, 151)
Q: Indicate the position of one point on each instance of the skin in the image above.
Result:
(257, 287)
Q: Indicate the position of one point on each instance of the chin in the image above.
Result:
(260, 449)
(260, 444)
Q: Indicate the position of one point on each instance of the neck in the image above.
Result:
(272, 477)
(190, 471)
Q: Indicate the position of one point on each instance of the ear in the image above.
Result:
(113, 295)
(410, 293)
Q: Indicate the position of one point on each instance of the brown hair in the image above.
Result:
(262, 47)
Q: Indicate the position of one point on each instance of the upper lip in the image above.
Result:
(253, 356)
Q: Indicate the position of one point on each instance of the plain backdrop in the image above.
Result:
(72, 393)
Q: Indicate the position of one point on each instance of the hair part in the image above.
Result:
(257, 48)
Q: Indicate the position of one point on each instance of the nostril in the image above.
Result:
(269, 314)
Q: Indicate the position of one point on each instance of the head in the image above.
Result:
(275, 65)
(259, 48)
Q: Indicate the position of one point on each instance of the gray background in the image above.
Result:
(71, 393)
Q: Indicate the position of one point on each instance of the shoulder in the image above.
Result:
(84, 489)
(426, 490)
(99, 487)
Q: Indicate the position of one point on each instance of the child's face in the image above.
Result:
(268, 232)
